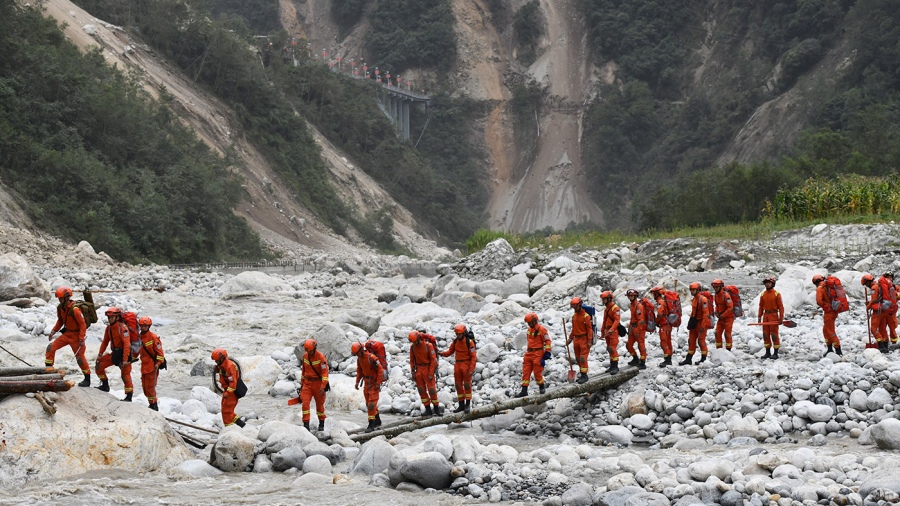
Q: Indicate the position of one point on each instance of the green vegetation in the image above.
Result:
(412, 33)
(261, 16)
(846, 196)
(95, 159)
(528, 29)
(347, 13)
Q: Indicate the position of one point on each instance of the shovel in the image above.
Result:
(571, 376)
(787, 323)
(870, 344)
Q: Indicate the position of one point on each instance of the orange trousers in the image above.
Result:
(879, 326)
(828, 330)
(372, 391)
(532, 364)
(313, 389)
(892, 327)
(462, 377)
(770, 332)
(582, 347)
(229, 402)
(612, 345)
(148, 384)
(106, 361)
(665, 340)
(697, 337)
(71, 340)
(637, 335)
(723, 327)
(426, 385)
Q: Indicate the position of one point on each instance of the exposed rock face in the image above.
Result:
(91, 430)
(18, 280)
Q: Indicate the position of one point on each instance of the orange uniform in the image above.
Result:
(70, 319)
(697, 336)
(879, 322)
(892, 316)
(829, 315)
(725, 313)
(151, 358)
(771, 310)
(610, 330)
(582, 337)
(663, 326)
(465, 358)
(314, 371)
(228, 380)
(423, 362)
(370, 372)
(638, 329)
(117, 335)
(538, 343)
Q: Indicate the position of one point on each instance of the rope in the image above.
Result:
(14, 355)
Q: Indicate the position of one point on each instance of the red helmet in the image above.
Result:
(576, 301)
(657, 289)
(309, 344)
(114, 311)
(355, 348)
(63, 291)
(867, 279)
(630, 292)
(606, 295)
(531, 318)
(717, 282)
(695, 286)
(817, 278)
(769, 279)
(459, 328)
(219, 354)
(413, 336)
(145, 320)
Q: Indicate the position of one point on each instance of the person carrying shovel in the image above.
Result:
(582, 337)
(771, 315)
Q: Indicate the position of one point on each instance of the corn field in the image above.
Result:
(845, 196)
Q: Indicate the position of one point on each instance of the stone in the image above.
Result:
(292, 456)
(615, 434)
(195, 468)
(360, 319)
(413, 315)
(428, 469)
(878, 398)
(262, 464)
(720, 468)
(579, 494)
(617, 497)
(461, 302)
(285, 436)
(642, 422)
(465, 448)
(18, 280)
(858, 400)
(647, 499)
(886, 434)
(251, 284)
(887, 478)
(373, 458)
(332, 341)
(488, 353)
(439, 443)
(317, 464)
(507, 313)
(233, 452)
(321, 449)
(518, 284)
(313, 481)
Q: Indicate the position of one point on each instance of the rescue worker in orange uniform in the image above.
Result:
(663, 325)
(637, 330)
(71, 321)
(724, 304)
(698, 324)
(423, 362)
(152, 360)
(876, 305)
(537, 352)
(893, 294)
(314, 374)
(371, 373)
(829, 316)
(118, 337)
(771, 310)
(463, 349)
(228, 382)
(610, 330)
(582, 336)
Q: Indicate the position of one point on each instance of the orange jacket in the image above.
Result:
(422, 354)
(877, 296)
(822, 298)
(581, 324)
(151, 351)
(228, 375)
(611, 319)
(117, 335)
(700, 311)
(464, 349)
(661, 311)
(315, 368)
(724, 304)
(770, 302)
(538, 338)
(638, 317)
(71, 319)
(369, 368)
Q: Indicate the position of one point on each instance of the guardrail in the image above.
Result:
(407, 269)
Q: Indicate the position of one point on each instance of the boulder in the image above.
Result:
(373, 458)
(210, 400)
(259, 373)
(615, 434)
(286, 435)
(878, 398)
(411, 315)
(886, 434)
(439, 443)
(887, 478)
(321, 449)
(579, 494)
(465, 448)
(317, 464)
(360, 319)
(517, 284)
(194, 468)
(722, 257)
(489, 287)
(563, 286)
(415, 292)
(287, 458)
(428, 469)
(332, 341)
(488, 353)
(233, 452)
(506, 313)
(18, 280)
(461, 302)
(252, 283)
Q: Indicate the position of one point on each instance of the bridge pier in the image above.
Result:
(396, 105)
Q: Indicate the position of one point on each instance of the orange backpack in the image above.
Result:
(649, 314)
(377, 348)
(131, 321)
(834, 290)
(673, 308)
(735, 294)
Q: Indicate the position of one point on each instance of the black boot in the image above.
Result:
(687, 360)
(240, 423)
(523, 393)
(634, 360)
(371, 426)
(728, 348)
(768, 354)
(438, 410)
(461, 407)
(153, 406)
(829, 349)
(378, 420)
(127, 397)
(306, 425)
(838, 352)
(702, 359)
(613, 369)
(642, 365)
(86, 382)
(321, 425)
(542, 388)
(883, 346)
(104, 385)
(427, 412)
(468, 406)
(582, 378)
(775, 354)
(667, 361)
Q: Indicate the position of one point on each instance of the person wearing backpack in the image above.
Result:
(70, 319)
(581, 336)
(637, 330)
(878, 304)
(423, 363)
(118, 337)
(724, 304)
(537, 351)
(369, 372)
(662, 324)
(314, 384)
(152, 360)
(892, 297)
(771, 311)
(463, 349)
(698, 325)
(829, 316)
(229, 378)
(610, 330)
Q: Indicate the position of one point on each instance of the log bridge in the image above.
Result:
(597, 383)
(24, 380)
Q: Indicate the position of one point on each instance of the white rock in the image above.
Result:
(858, 400)
(374, 457)
(615, 434)
(318, 464)
(642, 422)
(411, 315)
(212, 402)
(233, 452)
(886, 434)
(18, 280)
(252, 283)
(439, 443)
(499, 454)
(878, 398)
(195, 468)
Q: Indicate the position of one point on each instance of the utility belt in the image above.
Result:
(535, 349)
(462, 360)
(579, 335)
(770, 311)
(308, 378)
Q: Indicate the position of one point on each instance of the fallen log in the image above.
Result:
(24, 387)
(193, 441)
(18, 371)
(192, 426)
(600, 382)
(29, 377)
(49, 408)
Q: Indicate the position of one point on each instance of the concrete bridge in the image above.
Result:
(396, 102)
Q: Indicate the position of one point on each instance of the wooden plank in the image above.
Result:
(24, 387)
(30, 377)
(601, 382)
(19, 371)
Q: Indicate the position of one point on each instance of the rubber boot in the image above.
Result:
(642, 364)
(371, 426)
(427, 412)
(687, 360)
(702, 359)
(582, 378)
(461, 407)
(523, 393)
(321, 425)
(829, 349)
(728, 348)
(883, 347)
(768, 354)
(240, 423)
(378, 420)
(775, 355)
(468, 407)
(154, 406)
(104, 385)
(667, 361)
(438, 410)
(86, 382)
(838, 352)
(127, 397)
(306, 425)
(634, 360)
(613, 369)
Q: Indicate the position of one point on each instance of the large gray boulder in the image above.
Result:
(516, 284)
(360, 319)
(428, 469)
(17, 280)
(415, 291)
(615, 434)
(887, 478)
(373, 458)
(886, 434)
(289, 435)
(507, 313)
(252, 283)
(322, 449)
(411, 315)
(579, 494)
(287, 458)
(462, 302)
(233, 452)
(331, 340)
(317, 464)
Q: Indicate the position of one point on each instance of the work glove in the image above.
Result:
(356, 386)
(692, 323)
(327, 387)
(163, 364)
(544, 358)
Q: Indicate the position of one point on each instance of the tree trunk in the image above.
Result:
(601, 382)
(18, 371)
(24, 387)
(30, 377)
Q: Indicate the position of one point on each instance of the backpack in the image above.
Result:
(88, 311)
(888, 295)
(673, 308)
(241, 389)
(738, 309)
(649, 314)
(377, 348)
(592, 312)
(130, 319)
(834, 290)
